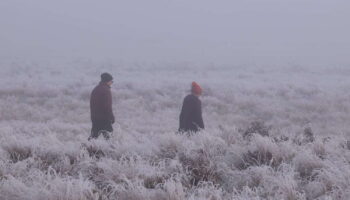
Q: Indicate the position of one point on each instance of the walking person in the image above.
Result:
(102, 116)
(191, 120)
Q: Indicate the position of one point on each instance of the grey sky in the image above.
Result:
(221, 31)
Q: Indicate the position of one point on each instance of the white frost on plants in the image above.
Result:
(44, 126)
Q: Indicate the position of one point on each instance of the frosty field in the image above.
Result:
(45, 123)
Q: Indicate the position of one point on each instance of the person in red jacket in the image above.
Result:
(191, 113)
(101, 111)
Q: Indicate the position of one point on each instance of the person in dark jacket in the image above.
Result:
(102, 116)
(191, 113)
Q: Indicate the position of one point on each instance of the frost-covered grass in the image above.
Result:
(272, 133)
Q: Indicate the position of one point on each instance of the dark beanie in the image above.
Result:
(105, 77)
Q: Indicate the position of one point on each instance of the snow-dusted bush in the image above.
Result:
(272, 133)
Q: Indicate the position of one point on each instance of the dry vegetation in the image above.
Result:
(272, 133)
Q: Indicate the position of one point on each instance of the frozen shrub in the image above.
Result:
(169, 147)
(153, 181)
(98, 149)
(229, 136)
(54, 160)
(309, 135)
(261, 151)
(281, 138)
(2, 174)
(348, 144)
(95, 151)
(257, 175)
(200, 167)
(284, 184)
(45, 123)
(307, 164)
(319, 149)
(306, 137)
(257, 127)
(208, 191)
(332, 180)
(168, 152)
(129, 195)
(46, 187)
(247, 193)
(257, 158)
(17, 152)
(174, 189)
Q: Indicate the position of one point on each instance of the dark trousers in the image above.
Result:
(101, 127)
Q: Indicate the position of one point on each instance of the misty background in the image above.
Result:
(203, 31)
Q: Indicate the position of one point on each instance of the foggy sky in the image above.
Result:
(221, 31)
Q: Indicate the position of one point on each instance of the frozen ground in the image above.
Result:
(44, 125)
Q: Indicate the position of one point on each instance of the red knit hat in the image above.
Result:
(196, 89)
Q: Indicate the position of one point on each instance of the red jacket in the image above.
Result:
(101, 103)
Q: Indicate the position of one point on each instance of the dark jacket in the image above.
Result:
(101, 104)
(191, 114)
